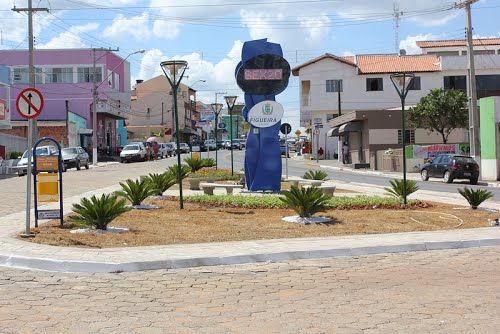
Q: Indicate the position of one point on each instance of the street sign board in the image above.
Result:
(316, 131)
(297, 133)
(285, 128)
(48, 214)
(29, 103)
(47, 162)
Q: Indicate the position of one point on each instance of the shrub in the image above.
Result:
(173, 171)
(136, 191)
(397, 187)
(161, 182)
(15, 154)
(222, 173)
(306, 202)
(208, 162)
(194, 164)
(315, 175)
(98, 212)
(475, 196)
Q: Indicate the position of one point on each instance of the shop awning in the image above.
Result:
(350, 127)
(87, 132)
(333, 132)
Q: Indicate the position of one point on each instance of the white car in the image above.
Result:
(22, 165)
(133, 152)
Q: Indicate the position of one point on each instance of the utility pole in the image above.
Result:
(473, 111)
(32, 126)
(31, 69)
(148, 118)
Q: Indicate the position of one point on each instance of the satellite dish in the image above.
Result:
(402, 52)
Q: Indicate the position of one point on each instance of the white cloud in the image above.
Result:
(220, 74)
(409, 44)
(124, 28)
(166, 30)
(69, 39)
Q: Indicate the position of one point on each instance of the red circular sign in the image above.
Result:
(29, 103)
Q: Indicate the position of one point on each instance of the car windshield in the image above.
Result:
(236, 141)
(131, 148)
(69, 150)
(39, 151)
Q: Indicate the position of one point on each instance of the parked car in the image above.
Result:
(165, 150)
(236, 144)
(183, 146)
(221, 144)
(451, 167)
(225, 144)
(243, 143)
(22, 165)
(283, 148)
(170, 149)
(133, 152)
(75, 157)
(208, 144)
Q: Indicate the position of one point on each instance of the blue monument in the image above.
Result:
(262, 74)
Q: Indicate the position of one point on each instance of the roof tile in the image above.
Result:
(458, 42)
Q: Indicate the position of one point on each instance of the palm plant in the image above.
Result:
(208, 162)
(161, 182)
(136, 191)
(397, 188)
(174, 172)
(98, 212)
(305, 202)
(475, 196)
(315, 175)
(194, 164)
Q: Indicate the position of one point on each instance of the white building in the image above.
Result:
(365, 85)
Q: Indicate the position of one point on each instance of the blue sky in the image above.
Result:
(209, 34)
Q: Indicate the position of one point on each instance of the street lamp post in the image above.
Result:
(174, 71)
(230, 101)
(94, 97)
(216, 108)
(401, 82)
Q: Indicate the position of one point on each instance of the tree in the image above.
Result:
(442, 110)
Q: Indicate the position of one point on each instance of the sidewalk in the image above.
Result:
(18, 253)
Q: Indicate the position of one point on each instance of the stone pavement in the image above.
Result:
(450, 291)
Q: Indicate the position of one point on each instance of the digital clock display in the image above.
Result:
(264, 74)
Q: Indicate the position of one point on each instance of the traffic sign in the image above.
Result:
(316, 131)
(285, 128)
(297, 133)
(29, 103)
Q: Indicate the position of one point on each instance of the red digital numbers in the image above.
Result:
(264, 74)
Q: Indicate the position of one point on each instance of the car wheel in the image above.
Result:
(64, 168)
(424, 174)
(78, 166)
(87, 165)
(473, 181)
(447, 177)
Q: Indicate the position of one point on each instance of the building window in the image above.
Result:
(21, 75)
(487, 85)
(374, 84)
(334, 86)
(85, 74)
(330, 117)
(455, 82)
(414, 84)
(410, 136)
(58, 75)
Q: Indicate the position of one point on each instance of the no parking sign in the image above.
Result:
(29, 103)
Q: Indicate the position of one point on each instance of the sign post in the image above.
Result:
(286, 129)
(316, 133)
(29, 104)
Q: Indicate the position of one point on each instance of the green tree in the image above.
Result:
(442, 110)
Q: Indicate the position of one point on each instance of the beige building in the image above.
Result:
(152, 113)
(352, 98)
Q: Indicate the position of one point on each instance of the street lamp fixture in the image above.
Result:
(174, 71)
(94, 99)
(230, 101)
(216, 108)
(401, 82)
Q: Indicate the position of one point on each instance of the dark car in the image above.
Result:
(283, 150)
(75, 157)
(451, 167)
(236, 144)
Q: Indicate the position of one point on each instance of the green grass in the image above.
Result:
(273, 201)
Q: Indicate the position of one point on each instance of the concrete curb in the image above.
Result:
(58, 265)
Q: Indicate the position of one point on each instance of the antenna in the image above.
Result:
(397, 17)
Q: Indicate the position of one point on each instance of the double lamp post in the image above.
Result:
(401, 82)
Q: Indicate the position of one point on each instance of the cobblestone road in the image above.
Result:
(454, 291)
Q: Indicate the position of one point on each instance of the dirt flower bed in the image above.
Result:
(199, 223)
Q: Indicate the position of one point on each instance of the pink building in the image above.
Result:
(65, 79)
